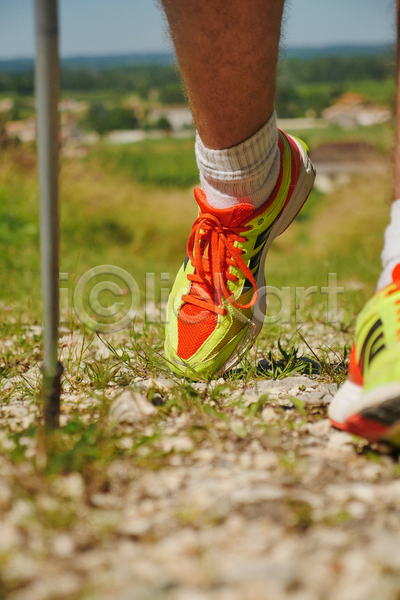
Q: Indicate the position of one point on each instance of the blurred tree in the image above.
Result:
(172, 93)
(164, 123)
(96, 118)
(102, 120)
(122, 118)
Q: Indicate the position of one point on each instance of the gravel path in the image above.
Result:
(235, 490)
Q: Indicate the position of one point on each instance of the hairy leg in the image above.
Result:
(228, 53)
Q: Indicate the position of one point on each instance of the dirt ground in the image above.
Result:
(234, 490)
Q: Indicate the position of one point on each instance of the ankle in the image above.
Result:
(247, 172)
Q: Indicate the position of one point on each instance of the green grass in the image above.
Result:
(374, 91)
(106, 218)
(168, 163)
(381, 137)
(133, 207)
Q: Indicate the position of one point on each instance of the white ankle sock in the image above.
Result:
(247, 172)
(391, 248)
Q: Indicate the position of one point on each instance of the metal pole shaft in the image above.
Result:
(397, 154)
(47, 96)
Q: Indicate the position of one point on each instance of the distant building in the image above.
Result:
(25, 131)
(301, 124)
(179, 116)
(6, 105)
(73, 106)
(126, 136)
(351, 110)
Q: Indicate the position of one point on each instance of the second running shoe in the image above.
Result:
(368, 403)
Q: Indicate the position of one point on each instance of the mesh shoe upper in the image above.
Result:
(211, 304)
(368, 403)
(378, 329)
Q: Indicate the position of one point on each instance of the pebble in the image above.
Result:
(177, 444)
(131, 407)
(266, 460)
(135, 526)
(9, 537)
(63, 545)
(268, 415)
(257, 494)
(319, 428)
(162, 384)
(70, 486)
(340, 440)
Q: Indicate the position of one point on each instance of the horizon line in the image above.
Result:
(166, 52)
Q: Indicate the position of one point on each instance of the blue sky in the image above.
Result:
(124, 26)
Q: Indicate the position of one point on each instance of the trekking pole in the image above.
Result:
(397, 153)
(47, 94)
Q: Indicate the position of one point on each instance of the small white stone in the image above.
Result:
(17, 411)
(125, 443)
(64, 419)
(315, 398)
(135, 526)
(340, 439)
(36, 329)
(266, 460)
(178, 444)
(365, 492)
(319, 428)
(386, 550)
(163, 384)
(21, 512)
(268, 415)
(106, 501)
(245, 460)
(371, 471)
(9, 537)
(205, 455)
(131, 407)
(328, 388)
(70, 486)
(21, 568)
(257, 494)
(248, 399)
(63, 545)
(103, 353)
(356, 509)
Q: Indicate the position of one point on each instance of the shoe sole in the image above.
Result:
(375, 415)
(299, 198)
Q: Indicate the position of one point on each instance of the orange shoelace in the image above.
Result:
(211, 251)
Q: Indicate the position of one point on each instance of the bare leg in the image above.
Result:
(228, 52)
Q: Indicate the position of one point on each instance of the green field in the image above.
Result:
(132, 207)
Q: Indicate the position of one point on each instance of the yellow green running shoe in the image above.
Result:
(217, 304)
(368, 403)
